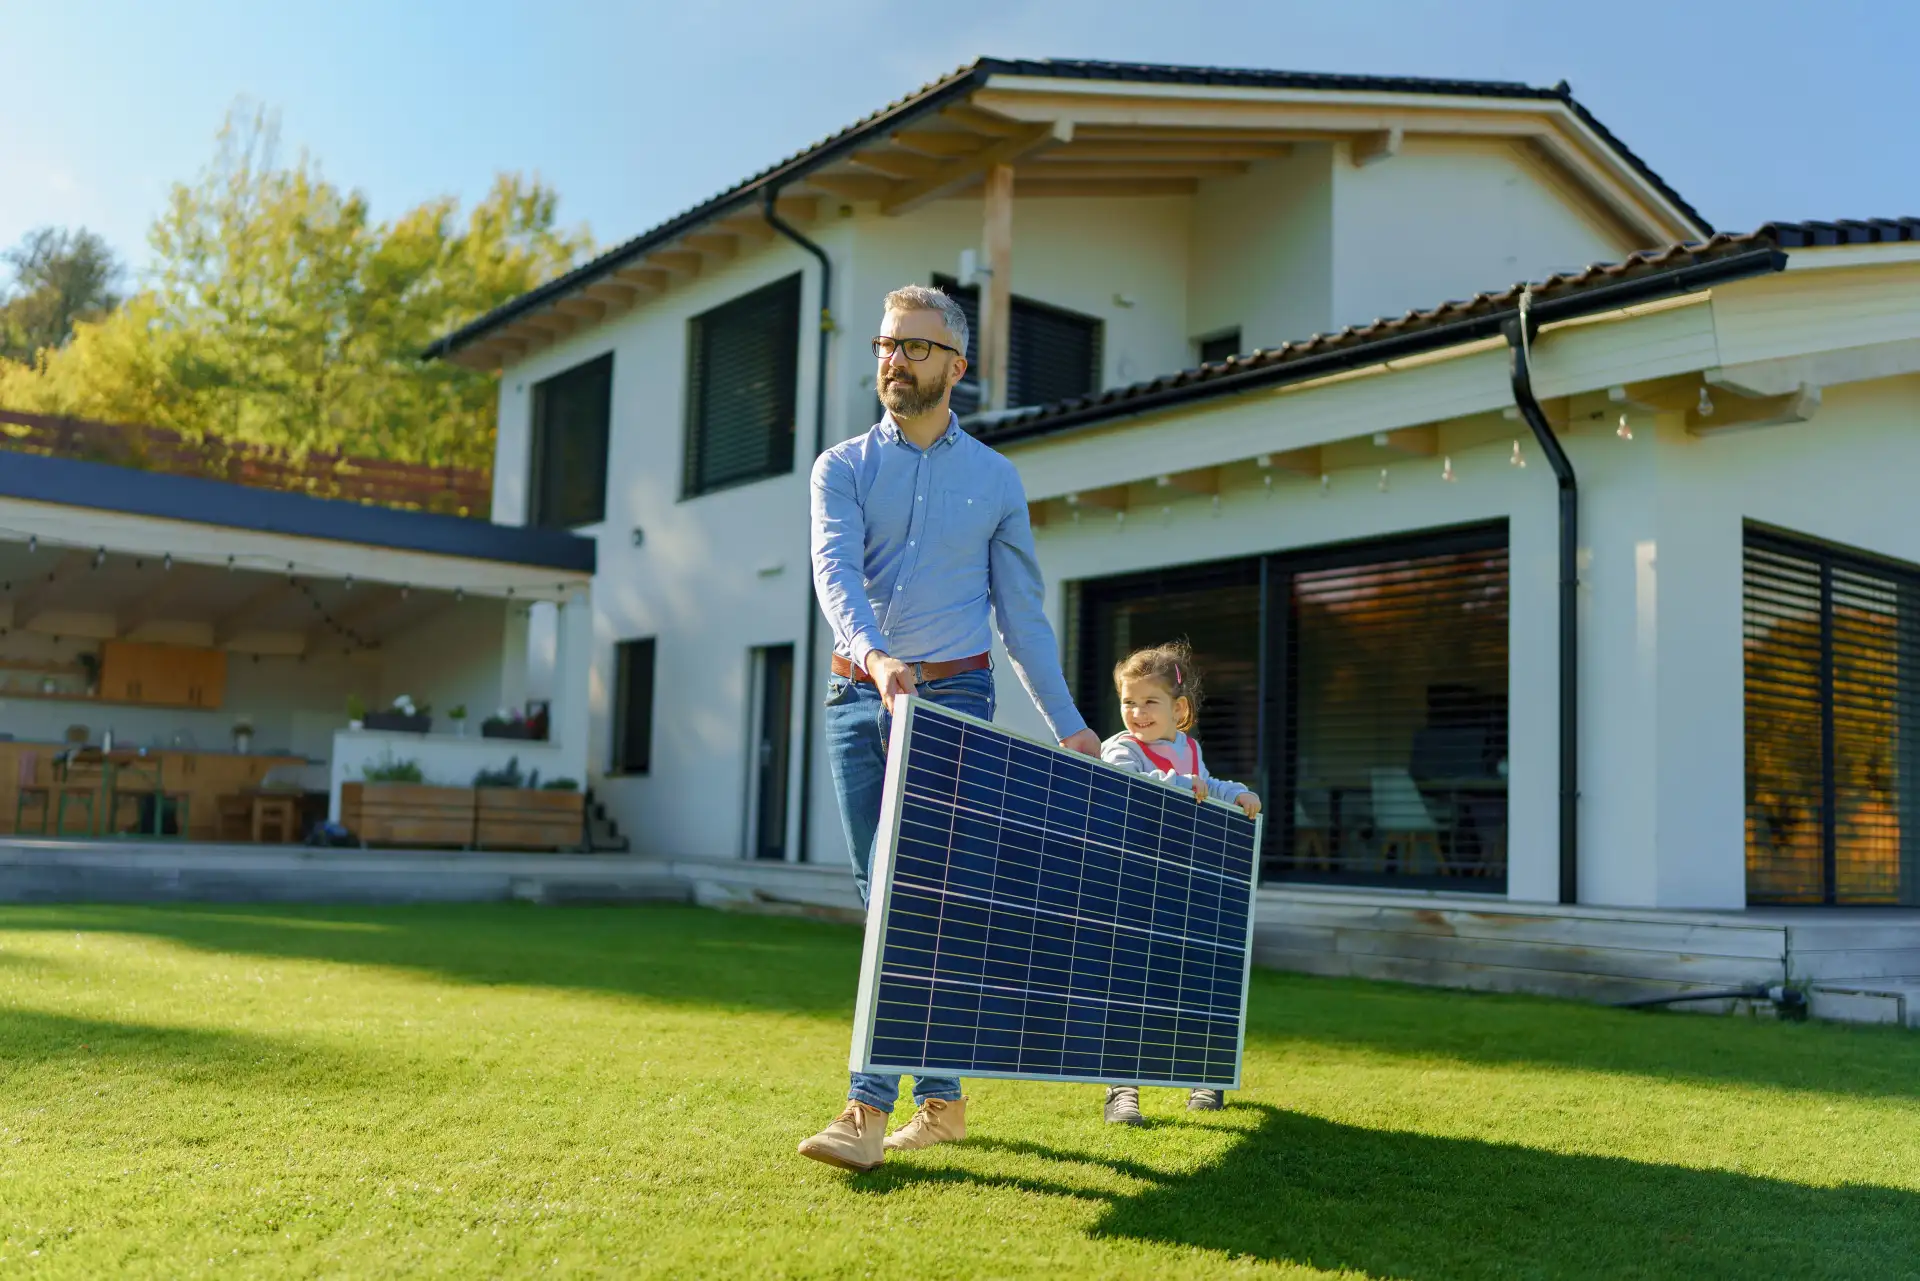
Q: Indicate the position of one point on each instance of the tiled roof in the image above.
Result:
(962, 82)
(1676, 268)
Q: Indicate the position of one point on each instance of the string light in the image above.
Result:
(1446, 468)
(100, 558)
(1326, 484)
(1705, 407)
(1383, 480)
(166, 562)
(33, 543)
(1516, 460)
(1623, 431)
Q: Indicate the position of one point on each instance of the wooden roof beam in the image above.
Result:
(719, 247)
(1410, 442)
(1094, 171)
(653, 279)
(896, 164)
(752, 228)
(678, 262)
(1372, 148)
(852, 186)
(1053, 188)
(1295, 462)
(150, 606)
(1030, 141)
(251, 610)
(975, 120)
(1203, 480)
(1148, 152)
(941, 144)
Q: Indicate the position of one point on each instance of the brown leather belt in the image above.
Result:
(843, 666)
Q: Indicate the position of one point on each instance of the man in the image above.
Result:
(917, 530)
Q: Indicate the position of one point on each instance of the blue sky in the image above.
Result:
(633, 112)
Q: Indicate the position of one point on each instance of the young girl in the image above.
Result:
(1159, 699)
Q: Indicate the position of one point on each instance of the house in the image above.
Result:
(171, 645)
(1552, 619)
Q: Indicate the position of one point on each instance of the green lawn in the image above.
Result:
(479, 1091)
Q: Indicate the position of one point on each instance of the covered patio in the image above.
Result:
(188, 659)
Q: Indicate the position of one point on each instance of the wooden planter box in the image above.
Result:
(529, 819)
(397, 721)
(414, 814)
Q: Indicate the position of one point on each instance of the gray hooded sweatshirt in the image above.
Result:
(1123, 750)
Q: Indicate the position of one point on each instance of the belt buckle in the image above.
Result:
(919, 673)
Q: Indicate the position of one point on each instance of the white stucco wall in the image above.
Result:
(1263, 251)
(1447, 219)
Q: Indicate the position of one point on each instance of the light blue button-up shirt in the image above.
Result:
(911, 548)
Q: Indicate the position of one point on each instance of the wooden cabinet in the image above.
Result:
(162, 675)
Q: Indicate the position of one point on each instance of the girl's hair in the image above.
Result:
(1169, 665)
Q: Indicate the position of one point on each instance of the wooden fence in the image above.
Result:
(453, 491)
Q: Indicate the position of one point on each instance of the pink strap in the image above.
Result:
(1166, 762)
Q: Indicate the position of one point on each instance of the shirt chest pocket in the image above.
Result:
(965, 520)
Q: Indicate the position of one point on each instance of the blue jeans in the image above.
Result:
(858, 728)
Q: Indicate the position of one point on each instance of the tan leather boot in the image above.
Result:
(853, 1141)
(937, 1121)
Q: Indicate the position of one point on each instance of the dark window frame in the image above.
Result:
(778, 302)
(1276, 650)
(625, 653)
(966, 393)
(1211, 349)
(546, 481)
(1858, 659)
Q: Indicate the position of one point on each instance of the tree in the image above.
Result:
(60, 277)
(281, 313)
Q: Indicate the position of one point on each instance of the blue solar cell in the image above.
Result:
(1041, 915)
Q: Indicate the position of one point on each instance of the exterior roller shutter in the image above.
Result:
(1052, 354)
(744, 361)
(571, 413)
(1832, 649)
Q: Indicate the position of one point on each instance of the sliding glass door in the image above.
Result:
(1361, 690)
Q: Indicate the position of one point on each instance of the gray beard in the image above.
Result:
(904, 401)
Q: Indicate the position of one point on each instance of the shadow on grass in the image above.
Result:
(32, 1038)
(715, 960)
(1420, 1022)
(1303, 1190)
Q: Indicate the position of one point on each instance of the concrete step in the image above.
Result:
(1892, 1000)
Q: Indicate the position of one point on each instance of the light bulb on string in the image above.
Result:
(1120, 518)
(1624, 431)
(1515, 459)
(1383, 480)
(100, 558)
(1705, 407)
(1446, 468)
(1216, 504)
(1267, 482)
(166, 562)
(348, 585)
(1326, 484)
(459, 594)
(33, 543)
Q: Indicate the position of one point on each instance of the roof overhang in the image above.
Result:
(1080, 129)
(83, 504)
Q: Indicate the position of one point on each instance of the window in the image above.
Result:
(1052, 354)
(1832, 658)
(571, 412)
(743, 364)
(1362, 692)
(1218, 347)
(633, 707)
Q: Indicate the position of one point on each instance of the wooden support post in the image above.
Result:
(996, 303)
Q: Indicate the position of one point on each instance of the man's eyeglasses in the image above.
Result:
(914, 348)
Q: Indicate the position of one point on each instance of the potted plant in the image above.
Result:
(404, 716)
(513, 812)
(458, 715)
(89, 661)
(393, 804)
(242, 734)
(504, 724)
(356, 712)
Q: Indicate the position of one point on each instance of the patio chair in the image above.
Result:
(1405, 833)
(30, 790)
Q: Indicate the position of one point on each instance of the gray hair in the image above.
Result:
(925, 298)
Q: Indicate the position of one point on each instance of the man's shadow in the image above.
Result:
(1299, 1189)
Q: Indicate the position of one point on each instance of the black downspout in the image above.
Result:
(805, 683)
(1520, 334)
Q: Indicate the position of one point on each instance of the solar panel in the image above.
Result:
(1043, 915)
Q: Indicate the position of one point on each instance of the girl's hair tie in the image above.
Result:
(1178, 679)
